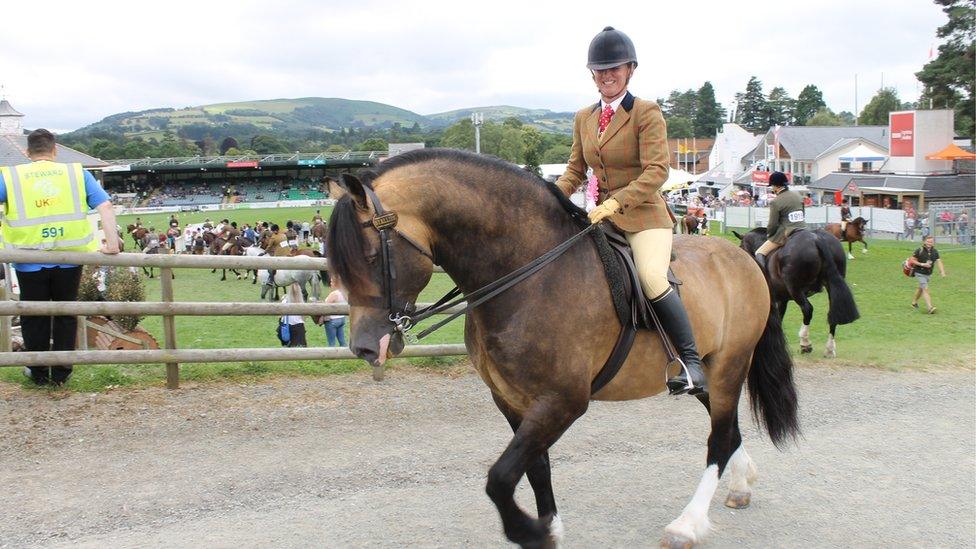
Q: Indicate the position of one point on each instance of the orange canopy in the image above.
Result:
(952, 152)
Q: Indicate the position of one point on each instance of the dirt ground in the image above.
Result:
(887, 460)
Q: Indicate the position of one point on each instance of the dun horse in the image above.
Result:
(854, 232)
(809, 262)
(481, 218)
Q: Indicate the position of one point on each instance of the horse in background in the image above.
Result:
(809, 262)
(689, 224)
(286, 277)
(137, 233)
(853, 233)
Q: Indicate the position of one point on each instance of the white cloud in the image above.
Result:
(99, 58)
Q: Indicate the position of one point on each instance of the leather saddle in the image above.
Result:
(632, 306)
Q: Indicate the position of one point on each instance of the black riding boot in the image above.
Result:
(674, 319)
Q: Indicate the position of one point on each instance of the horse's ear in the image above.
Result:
(351, 185)
(336, 191)
(737, 235)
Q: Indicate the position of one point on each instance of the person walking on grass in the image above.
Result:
(925, 259)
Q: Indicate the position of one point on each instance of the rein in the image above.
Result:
(405, 317)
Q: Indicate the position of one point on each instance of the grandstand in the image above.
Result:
(200, 181)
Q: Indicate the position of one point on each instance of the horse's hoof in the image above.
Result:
(673, 541)
(377, 372)
(804, 349)
(849, 256)
(738, 500)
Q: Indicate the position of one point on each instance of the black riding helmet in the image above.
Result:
(779, 179)
(610, 48)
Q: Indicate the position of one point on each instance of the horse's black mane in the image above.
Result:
(346, 241)
(483, 161)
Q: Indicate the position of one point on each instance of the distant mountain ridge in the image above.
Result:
(290, 117)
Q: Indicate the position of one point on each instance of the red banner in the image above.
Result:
(902, 134)
(761, 179)
(243, 164)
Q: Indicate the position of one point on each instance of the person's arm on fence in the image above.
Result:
(107, 214)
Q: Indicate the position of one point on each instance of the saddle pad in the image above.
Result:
(618, 263)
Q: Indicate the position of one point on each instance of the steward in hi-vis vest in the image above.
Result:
(46, 208)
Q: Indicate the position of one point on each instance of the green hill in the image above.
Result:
(298, 117)
(285, 117)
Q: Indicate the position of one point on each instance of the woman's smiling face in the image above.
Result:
(613, 82)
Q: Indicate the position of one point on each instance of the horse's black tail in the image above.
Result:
(843, 310)
(771, 388)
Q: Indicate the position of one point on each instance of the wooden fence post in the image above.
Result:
(7, 289)
(82, 331)
(169, 328)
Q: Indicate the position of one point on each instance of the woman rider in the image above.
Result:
(623, 139)
(785, 216)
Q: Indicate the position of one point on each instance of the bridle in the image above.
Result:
(385, 224)
(405, 315)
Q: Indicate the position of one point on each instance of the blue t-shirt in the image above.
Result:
(95, 196)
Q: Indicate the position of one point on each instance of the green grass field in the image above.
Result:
(889, 335)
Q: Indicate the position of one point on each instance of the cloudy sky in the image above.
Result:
(66, 65)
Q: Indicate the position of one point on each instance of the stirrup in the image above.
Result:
(688, 386)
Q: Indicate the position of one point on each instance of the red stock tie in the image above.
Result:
(605, 117)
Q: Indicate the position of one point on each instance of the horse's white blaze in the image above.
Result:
(805, 335)
(693, 524)
(556, 530)
(831, 350)
(742, 471)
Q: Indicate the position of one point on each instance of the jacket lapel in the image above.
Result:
(591, 126)
(619, 119)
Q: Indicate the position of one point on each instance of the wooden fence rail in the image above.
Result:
(169, 309)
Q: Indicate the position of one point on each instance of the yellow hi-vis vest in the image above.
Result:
(46, 208)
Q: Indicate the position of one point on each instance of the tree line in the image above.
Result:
(510, 139)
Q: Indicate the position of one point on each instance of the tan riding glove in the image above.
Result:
(609, 207)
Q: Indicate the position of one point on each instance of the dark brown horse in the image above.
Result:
(480, 218)
(319, 231)
(690, 224)
(137, 233)
(809, 262)
(853, 233)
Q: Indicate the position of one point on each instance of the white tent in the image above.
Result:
(679, 179)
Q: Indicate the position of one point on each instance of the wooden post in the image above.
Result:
(169, 328)
(82, 338)
(6, 293)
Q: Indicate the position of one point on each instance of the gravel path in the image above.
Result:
(887, 460)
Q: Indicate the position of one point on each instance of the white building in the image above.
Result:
(732, 144)
(853, 154)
